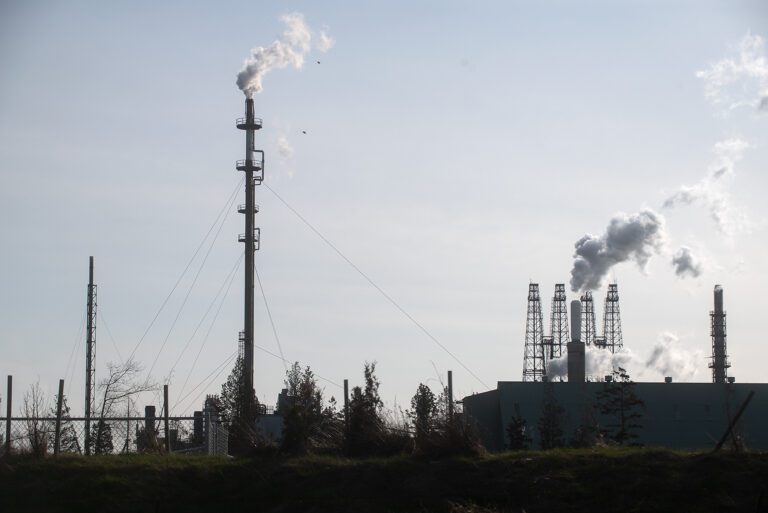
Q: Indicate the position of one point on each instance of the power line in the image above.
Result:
(205, 315)
(191, 286)
(72, 352)
(374, 285)
(287, 361)
(213, 322)
(184, 272)
(109, 332)
(272, 322)
(219, 368)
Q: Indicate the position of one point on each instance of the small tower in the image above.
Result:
(588, 324)
(253, 167)
(534, 365)
(719, 363)
(612, 320)
(559, 329)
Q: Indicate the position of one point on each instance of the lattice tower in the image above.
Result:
(534, 367)
(612, 320)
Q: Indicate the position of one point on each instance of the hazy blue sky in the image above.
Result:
(454, 151)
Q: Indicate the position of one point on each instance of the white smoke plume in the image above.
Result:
(599, 363)
(710, 192)
(636, 237)
(668, 358)
(284, 148)
(686, 263)
(742, 80)
(290, 50)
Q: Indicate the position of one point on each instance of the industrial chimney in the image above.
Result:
(253, 167)
(576, 357)
(719, 364)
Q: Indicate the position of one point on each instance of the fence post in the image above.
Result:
(165, 419)
(57, 436)
(9, 406)
(346, 405)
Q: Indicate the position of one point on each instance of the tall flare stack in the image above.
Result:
(253, 167)
(719, 364)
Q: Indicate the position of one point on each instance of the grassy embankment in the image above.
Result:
(567, 480)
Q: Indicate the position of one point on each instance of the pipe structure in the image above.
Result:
(254, 173)
(719, 364)
(576, 356)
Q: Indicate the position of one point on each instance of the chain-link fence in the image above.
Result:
(202, 434)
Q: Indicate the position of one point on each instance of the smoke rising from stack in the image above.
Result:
(636, 237)
(742, 81)
(284, 148)
(686, 264)
(290, 50)
(669, 359)
(710, 191)
(599, 363)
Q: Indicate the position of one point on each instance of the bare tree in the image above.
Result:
(123, 381)
(34, 405)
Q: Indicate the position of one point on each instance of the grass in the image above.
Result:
(606, 479)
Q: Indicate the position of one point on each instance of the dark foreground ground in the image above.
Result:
(573, 480)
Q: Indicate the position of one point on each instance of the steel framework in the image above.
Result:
(90, 357)
(719, 363)
(612, 337)
(559, 331)
(534, 368)
(588, 324)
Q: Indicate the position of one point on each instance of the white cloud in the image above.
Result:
(741, 80)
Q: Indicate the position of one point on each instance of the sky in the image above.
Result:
(454, 152)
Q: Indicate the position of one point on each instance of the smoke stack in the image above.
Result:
(576, 357)
(719, 364)
(576, 320)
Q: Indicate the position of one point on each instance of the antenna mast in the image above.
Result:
(90, 357)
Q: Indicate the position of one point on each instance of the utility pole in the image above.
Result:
(253, 168)
(90, 357)
(450, 395)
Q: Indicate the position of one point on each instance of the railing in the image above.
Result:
(241, 208)
(255, 164)
(256, 237)
(244, 121)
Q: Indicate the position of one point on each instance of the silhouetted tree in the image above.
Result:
(550, 422)
(619, 403)
(423, 414)
(367, 430)
(238, 409)
(69, 442)
(33, 407)
(307, 424)
(517, 434)
(102, 441)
